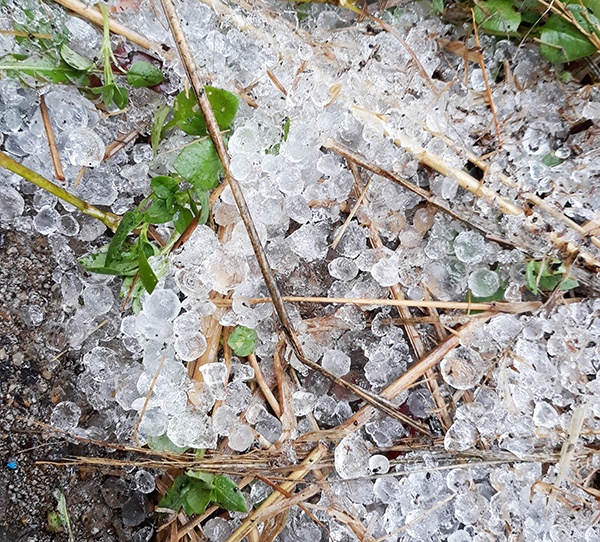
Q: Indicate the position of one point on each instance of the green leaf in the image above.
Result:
(560, 41)
(157, 126)
(144, 74)
(569, 284)
(228, 494)
(242, 341)
(113, 94)
(125, 266)
(75, 60)
(224, 105)
(174, 497)
(551, 160)
(43, 68)
(200, 165)
(187, 114)
(164, 186)
(159, 212)
(498, 295)
(164, 444)
(147, 276)
(130, 220)
(286, 128)
(197, 498)
(205, 477)
(497, 16)
(204, 201)
(438, 6)
(120, 97)
(182, 219)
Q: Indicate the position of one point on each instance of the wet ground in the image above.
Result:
(34, 376)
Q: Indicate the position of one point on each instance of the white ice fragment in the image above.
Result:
(302, 139)
(214, 373)
(161, 306)
(193, 429)
(224, 419)
(469, 247)
(336, 362)
(303, 402)
(12, 203)
(461, 436)
(462, 368)
(154, 423)
(65, 416)
(379, 464)
(190, 347)
(469, 507)
(309, 241)
(84, 147)
(241, 437)
(483, 282)
(98, 299)
(343, 269)
(352, 457)
(244, 140)
(67, 225)
(144, 481)
(410, 237)
(385, 272)
(353, 241)
(545, 415)
(45, 221)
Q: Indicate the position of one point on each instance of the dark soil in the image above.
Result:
(32, 381)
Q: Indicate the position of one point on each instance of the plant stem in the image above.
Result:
(110, 220)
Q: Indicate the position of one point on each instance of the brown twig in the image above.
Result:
(56, 163)
(261, 257)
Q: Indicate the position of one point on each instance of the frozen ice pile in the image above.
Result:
(513, 383)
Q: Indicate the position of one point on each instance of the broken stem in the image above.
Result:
(110, 220)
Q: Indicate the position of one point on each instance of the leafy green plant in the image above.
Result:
(51, 60)
(242, 341)
(195, 490)
(58, 519)
(178, 198)
(546, 275)
(565, 31)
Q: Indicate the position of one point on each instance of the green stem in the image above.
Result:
(110, 220)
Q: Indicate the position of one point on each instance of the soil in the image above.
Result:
(34, 376)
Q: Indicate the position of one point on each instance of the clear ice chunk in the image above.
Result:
(484, 282)
(343, 269)
(352, 457)
(192, 429)
(336, 362)
(463, 368)
(469, 247)
(83, 147)
(98, 299)
(12, 204)
(65, 416)
(161, 306)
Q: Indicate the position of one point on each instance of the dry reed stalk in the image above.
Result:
(121, 142)
(56, 163)
(582, 231)
(303, 469)
(568, 450)
(259, 252)
(93, 15)
(264, 386)
(492, 306)
(286, 417)
(404, 312)
(488, 89)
